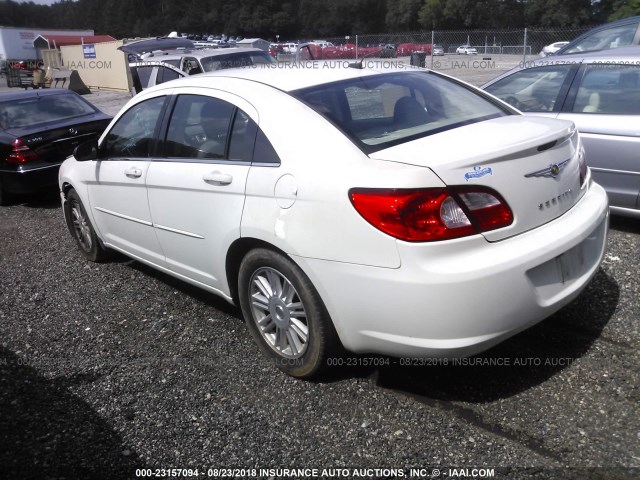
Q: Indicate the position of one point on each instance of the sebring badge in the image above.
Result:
(552, 170)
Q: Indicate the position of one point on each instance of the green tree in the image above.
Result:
(558, 13)
(624, 9)
(402, 15)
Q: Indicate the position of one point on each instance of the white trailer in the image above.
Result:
(17, 43)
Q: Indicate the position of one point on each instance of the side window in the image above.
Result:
(263, 151)
(144, 73)
(533, 89)
(191, 66)
(199, 127)
(243, 134)
(607, 88)
(133, 134)
(166, 74)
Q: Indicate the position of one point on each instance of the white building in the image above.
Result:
(17, 43)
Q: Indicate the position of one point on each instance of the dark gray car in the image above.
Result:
(600, 93)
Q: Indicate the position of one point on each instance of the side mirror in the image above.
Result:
(86, 151)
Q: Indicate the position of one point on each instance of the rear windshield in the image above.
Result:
(235, 60)
(36, 110)
(380, 111)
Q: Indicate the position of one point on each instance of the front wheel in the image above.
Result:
(284, 313)
(82, 230)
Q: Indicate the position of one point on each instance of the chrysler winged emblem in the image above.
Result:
(552, 170)
(73, 131)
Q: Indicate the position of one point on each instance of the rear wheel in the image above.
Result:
(285, 314)
(82, 230)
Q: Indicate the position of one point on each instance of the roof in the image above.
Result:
(64, 40)
(290, 77)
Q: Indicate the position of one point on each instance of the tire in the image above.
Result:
(302, 337)
(81, 229)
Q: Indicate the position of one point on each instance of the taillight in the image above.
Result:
(20, 153)
(433, 214)
(584, 169)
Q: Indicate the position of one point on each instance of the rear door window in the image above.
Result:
(166, 74)
(609, 89)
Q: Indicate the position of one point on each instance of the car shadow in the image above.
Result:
(625, 224)
(47, 432)
(199, 294)
(515, 365)
(48, 199)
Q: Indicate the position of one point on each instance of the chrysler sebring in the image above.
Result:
(402, 212)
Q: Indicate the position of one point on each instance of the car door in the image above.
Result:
(537, 90)
(118, 194)
(604, 103)
(196, 189)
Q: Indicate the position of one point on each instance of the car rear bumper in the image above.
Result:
(458, 298)
(29, 179)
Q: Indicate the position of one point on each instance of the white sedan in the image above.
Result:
(552, 48)
(401, 213)
(466, 50)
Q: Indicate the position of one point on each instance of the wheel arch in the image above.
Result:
(237, 251)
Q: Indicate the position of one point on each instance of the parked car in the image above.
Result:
(182, 54)
(620, 33)
(466, 50)
(552, 48)
(438, 50)
(600, 93)
(289, 47)
(38, 130)
(208, 60)
(360, 239)
(405, 49)
(148, 74)
(385, 50)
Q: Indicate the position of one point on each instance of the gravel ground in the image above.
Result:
(110, 368)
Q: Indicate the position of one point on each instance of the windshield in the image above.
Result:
(235, 60)
(605, 39)
(42, 109)
(385, 110)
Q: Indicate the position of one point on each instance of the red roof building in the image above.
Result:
(57, 41)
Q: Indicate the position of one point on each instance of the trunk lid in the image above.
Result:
(54, 144)
(531, 162)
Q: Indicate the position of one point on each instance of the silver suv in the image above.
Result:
(208, 60)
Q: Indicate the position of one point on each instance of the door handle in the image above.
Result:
(133, 172)
(217, 178)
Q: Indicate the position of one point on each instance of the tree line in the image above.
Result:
(292, 19)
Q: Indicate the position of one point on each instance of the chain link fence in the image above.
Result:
(523, 42)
